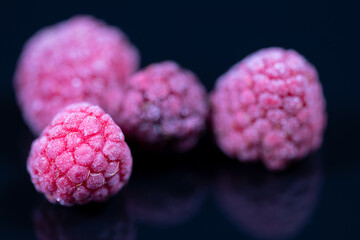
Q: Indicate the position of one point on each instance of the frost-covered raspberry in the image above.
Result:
(80, 157)
(73, 61)
(269, 106)
(163, 106)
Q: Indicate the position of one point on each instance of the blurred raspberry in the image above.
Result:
(80, 157)
(269, 106)
(77, 60)
(163, 106)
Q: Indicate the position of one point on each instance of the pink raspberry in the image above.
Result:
(77, 60)
(269, 106)
(80, 157)
(162, 106)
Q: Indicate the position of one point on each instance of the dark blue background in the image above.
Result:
(207, 37)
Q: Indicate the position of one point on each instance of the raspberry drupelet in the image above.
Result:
(162, 107)
(80, 157)
(73, 61)
(269, 106)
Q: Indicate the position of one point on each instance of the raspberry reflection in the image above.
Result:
(268, 205)
(94, 221)
(165, 197)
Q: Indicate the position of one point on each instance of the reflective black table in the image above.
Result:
(198, 195)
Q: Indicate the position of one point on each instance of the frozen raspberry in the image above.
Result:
(163, 106)
(269, 206)
(77, 60)
(269, 106)
(80, 157)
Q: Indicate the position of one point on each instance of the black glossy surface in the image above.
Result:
(201, 194)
